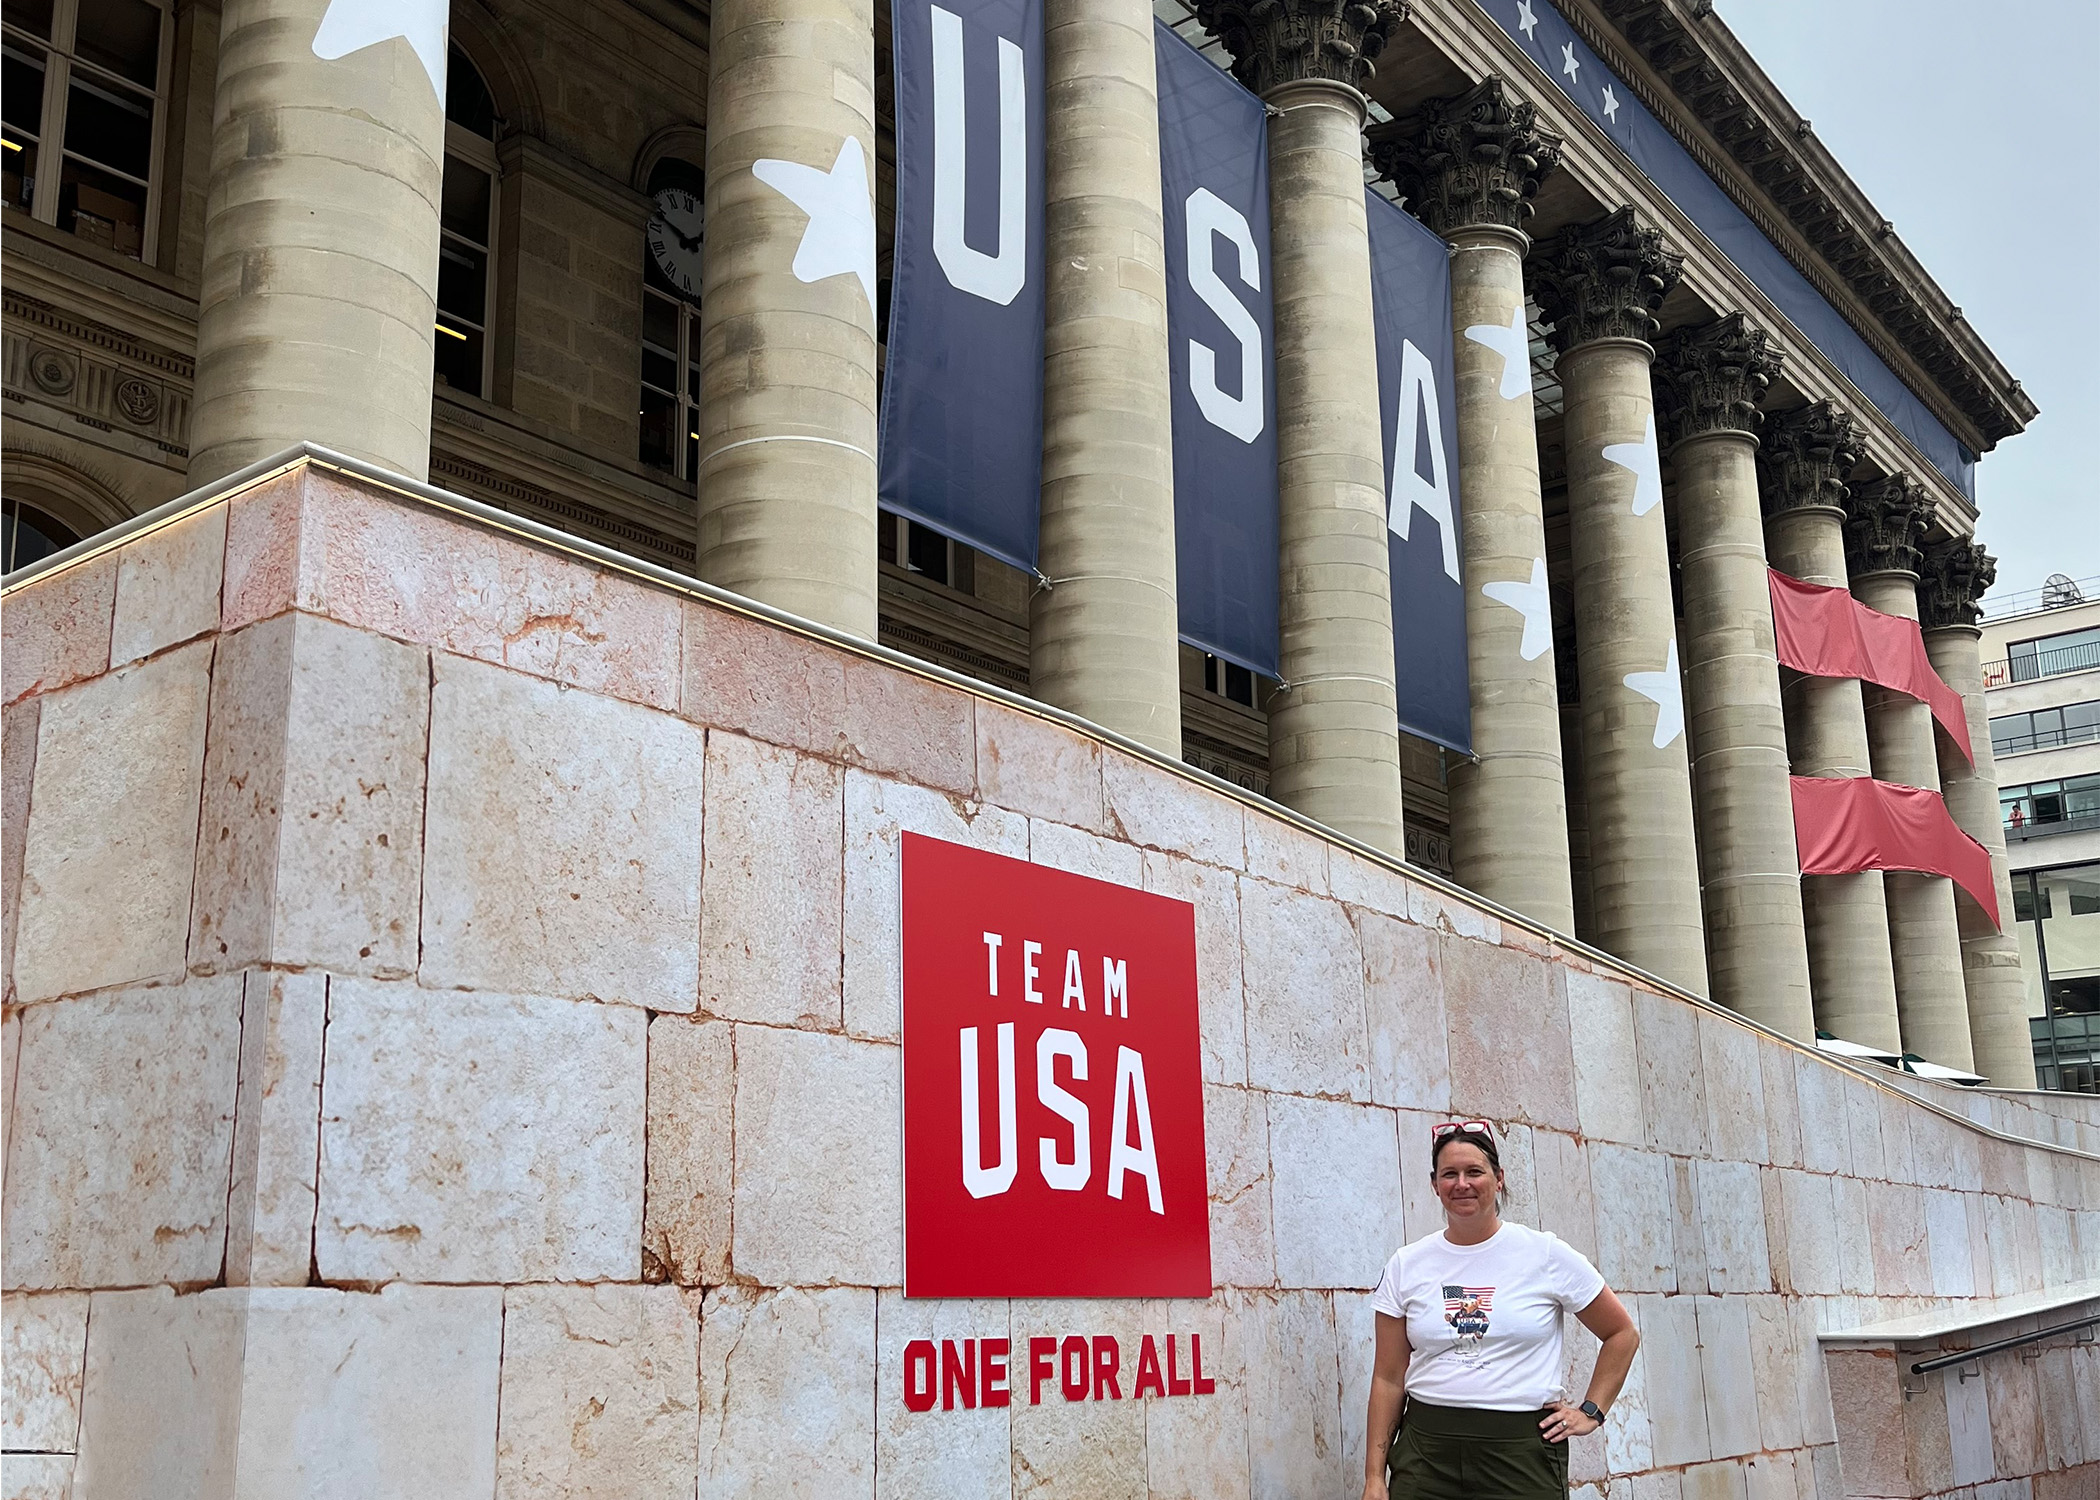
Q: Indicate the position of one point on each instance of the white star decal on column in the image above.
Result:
(1665, 689)
(1514, 345)
(1568, 66)
(1526, 21)
(1611, 105)
(353, 25)
(840, 237)
(1644, 462)
(1532, 602)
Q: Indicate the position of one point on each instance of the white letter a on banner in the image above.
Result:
(1419, 407)
(996, 278)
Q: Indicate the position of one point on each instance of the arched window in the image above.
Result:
(466, 250)
(670, 438)
(28, 534)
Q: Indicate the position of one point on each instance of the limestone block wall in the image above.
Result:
(451, 1045)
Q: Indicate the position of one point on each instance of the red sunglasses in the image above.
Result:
(1462, 1127)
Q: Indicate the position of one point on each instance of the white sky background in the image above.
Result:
(1971, 127)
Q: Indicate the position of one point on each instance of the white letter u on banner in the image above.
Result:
(983, 1181)
(996, 278)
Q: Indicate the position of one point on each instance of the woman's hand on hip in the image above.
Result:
(1563, 1421)
(1375, 1488)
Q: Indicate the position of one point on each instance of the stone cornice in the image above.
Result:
(1957, 574)
(1604, 280)
(1710, 378)
(1276, 42)
(1803, 458)
(1885, 521)
(1474, 158)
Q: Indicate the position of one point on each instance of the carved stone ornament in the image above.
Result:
(52, 371)
(1475, 158)
(1710, 379)
(1604, 280)
(1274, 42)
(1885, 521)
(1957, 575)
(139, 401)
(1803, 457)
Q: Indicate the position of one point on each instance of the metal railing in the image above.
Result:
(2007, 670)
(1927, 1366)
(2022, 601)
(2075, 823)
(2047, 739)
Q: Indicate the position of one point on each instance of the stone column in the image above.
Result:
(1601, 285)
(1802, 463)
(1103, 636)
(1468, 167)
(1334, 726)
(1885, 525)
(1709, 381)
(1957, 574)
(318, 300)
(787, 310)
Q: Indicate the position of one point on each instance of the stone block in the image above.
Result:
(758, 679)
(1687, 1226)
(562, 844)
(313, 800)
(1676, 1380)
(691, 1151)
(112, 837)
(277, 1130)
(898, 724)
(1155, 809)
(1093, 1450)
(57, 630)
(1782, 1104)
(1869, 1404)
(1812, 1249)
(1772, 1182)
(963, 1448)
(1511, 1058)
(36, 1476)
(1323, 1154)
(1898, 1155)
(1520, 1182)
(1410, 1053)
(787, 1393)
(1733, 1083)
(479, 1137)
(1295, 1423)
(1236, 1143)
(1628, 1434)
(1855, 1246)
(45, 1343)
(803, 1098)
(1304, 976)
(1902, 1256)
(18, 728)
(168, 586)
(1366, 883)
(1566, 1204)
(1826, 1144)
(1673, 1097)
(1607, 1085)
(121, 1134)
(1077, 852)
(1772, 1358)
(1420, 1209)
(1967, 1405)
(1285, 854)
(1777, 1476)
(1729, 1374)
(2063, 1429)
(770, 894)
(600, 1393)
(1220, 994)
(1863, 1130)
(877, 813)
(1718, 1481)
(1732, 1218)
(161, 1395)
(1183, 1458)
(1950, 1264)
(1635, 1248)
(1452, 915)
(1036, 767)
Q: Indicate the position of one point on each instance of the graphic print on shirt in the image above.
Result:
(1466, 1309)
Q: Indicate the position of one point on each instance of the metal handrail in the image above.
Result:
(2058, 661)
(1927, 1366)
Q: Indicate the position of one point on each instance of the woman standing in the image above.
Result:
(1466, 1382)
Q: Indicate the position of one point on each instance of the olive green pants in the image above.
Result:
(1463, 1453)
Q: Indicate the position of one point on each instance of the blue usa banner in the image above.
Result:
(962, 400)
(1417, 391)
(1221, 331)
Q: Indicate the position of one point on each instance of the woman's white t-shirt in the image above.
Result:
(1484, 1321)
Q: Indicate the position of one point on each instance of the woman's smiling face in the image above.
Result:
(1464, 1180)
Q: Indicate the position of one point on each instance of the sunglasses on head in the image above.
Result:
(1461, 1127)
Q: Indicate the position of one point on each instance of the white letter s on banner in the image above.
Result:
(996, 278)
(1241, 415)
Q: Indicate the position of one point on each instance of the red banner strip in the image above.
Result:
(1843, 826)
(1825, 632)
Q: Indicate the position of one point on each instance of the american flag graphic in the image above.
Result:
(1456, 1296)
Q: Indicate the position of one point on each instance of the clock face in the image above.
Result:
(675, 232)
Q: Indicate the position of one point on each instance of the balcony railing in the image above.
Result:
(2045, 739)
(2007, 670)
(2076, 823)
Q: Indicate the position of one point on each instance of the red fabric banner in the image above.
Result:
(1825, 632)
(1843, 826)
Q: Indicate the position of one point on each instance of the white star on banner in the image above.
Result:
(1568, 66)
(1526, 21)
(1532, 602)
(840, 237)
(1644, 462)
(1514, 345)
(1611, 105)
(1665, 689)
(353, 25)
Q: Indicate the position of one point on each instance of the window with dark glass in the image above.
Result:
(83, 87)
(2046, 728)
(467, 229)
(2050, 655)
(29, 535)
(1228, 680)
(671, 261)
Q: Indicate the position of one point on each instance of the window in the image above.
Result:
(83, 90)
(1229, 680)
(29, 535)
(467, 228)
(2058, 922)
(2051, 806)
(671, 255)
(2051, 655)
(926, 552)
(2045, 728)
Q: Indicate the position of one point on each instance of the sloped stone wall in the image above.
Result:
(452, 1016)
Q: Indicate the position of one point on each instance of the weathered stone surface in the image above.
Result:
(1863, 1130)
(1324, 1154)
(1080, 1450)
(770, 897)
(277, 1130)
(1855, 1240)
(1902, 1256)
(1607, 1086)
(1304, 978)
(45, 1341)
(900, 725)
(692, 1092)
(1078, 852)
(787, 1393)
(1733, 1086)
(1566, 1205)
(878, 812)
(1635, 1251)
(1812, 1250)
(57, 630)
(562, 852)
(953, 1452)
(120, 1138)
(1285, 854)
(1676, 1381)
(479, 1137)
(1688, 1225)
(1236, 1141)
(112, 836)
(36, 1476)
(1950, 1265)
(1038, 768)
(1826, 1144)
(1220, 994)
(1162, 812)
(18, 730)
(1629, 1437)
(744, 675)
(1773, 1354)
(1782, 1104)
(1508, 1023)
(1732, 1217)
(600, 1393)
(1729, 1375)
(803, 1098)
(1184, 1460)
(1294, 1418)
(1869, 1404)
(1404, 1003)
(160, 1403)
(1420, 1209)
(1673, 1100)
(168, 586)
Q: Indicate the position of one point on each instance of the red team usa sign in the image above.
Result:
(1053, 1084)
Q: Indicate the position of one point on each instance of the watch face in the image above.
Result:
(675, 233)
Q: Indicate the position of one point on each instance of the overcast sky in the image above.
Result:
(1971, 127)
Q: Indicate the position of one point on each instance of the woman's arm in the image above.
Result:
(1388, 1389)
(1608, 1319)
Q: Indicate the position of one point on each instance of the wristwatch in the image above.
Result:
(1589, 1409)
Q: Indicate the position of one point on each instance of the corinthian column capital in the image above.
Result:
(1885, 521)
(1474, 158)
(1604, 280)
(1710, 379)
(1277, 42)
(1957, 575)
(1803, 458)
